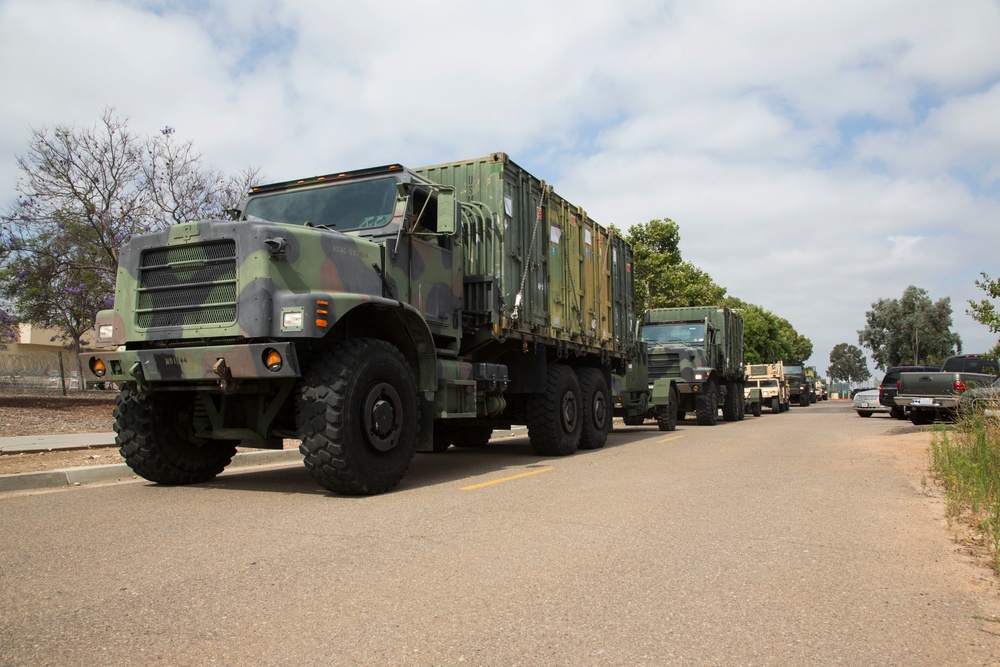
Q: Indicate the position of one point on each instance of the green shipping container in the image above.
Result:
(538, 268)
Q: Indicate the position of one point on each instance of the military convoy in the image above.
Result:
(376, 313)
(371, 314)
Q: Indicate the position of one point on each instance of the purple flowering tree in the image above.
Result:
(82, 194)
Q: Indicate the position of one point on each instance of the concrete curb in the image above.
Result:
(53, 479)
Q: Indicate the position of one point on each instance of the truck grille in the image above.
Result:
(187, 285)
(664, 365)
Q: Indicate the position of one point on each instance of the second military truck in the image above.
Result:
(371, 314)
(695, 361)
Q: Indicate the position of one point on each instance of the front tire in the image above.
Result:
(156, 438)
(554, 417)
(356, 411)
(666, 415)
(707, 405)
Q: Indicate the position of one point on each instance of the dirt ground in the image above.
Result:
(53, 414)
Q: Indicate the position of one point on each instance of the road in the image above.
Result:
(794, 539)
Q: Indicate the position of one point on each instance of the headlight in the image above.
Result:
(105, 331)
(292, 320)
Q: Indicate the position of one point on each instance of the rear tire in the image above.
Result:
(596, 404)
(157, 440)
(919, 417)
(356, 412)
(864, 413)
(554, 417)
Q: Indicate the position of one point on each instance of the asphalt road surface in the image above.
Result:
(793, 539)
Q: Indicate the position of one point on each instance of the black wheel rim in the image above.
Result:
(382, 415)
(568, 411)
(600, 410)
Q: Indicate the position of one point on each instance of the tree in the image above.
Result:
(909, 330)
(662, 278)
(768, 338)
(847, 364)
(83, 193)
(984, 312)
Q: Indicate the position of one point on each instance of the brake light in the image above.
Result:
(959, 385)
(899, 385)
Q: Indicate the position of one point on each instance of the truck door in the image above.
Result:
(435, 271)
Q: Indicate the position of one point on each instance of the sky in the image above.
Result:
(817, 156)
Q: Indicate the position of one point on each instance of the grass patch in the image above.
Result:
(965, 459)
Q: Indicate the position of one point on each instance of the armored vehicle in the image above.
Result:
(371, 314)
(770, 379)
(695, 359)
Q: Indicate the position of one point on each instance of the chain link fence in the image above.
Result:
(46, 372)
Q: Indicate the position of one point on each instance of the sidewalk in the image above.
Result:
(24, 444)
(50, 479)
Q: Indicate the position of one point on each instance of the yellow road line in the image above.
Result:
(676, 437)
(505, 479)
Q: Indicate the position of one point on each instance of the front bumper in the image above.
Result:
(221, 364)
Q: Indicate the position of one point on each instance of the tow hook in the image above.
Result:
(226, 381)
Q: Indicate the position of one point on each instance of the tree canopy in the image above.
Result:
(768, 338)
(984, 311)
(909, 330)
(82, 194)
(662, 278)
(847, 364)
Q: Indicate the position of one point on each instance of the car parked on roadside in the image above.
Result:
(887, 390)
(866, 403)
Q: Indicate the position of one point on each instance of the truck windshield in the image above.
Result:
(793, 370)
(341, 206)
(689, 334)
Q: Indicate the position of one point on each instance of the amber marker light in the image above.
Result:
(272, 360)
(97, 367)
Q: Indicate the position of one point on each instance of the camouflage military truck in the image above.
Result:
(770, 379)
(798, 384)
(371, 314)
(695, 360)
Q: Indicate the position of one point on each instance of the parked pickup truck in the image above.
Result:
(930, 395)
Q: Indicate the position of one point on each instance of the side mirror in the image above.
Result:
(447, 213)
